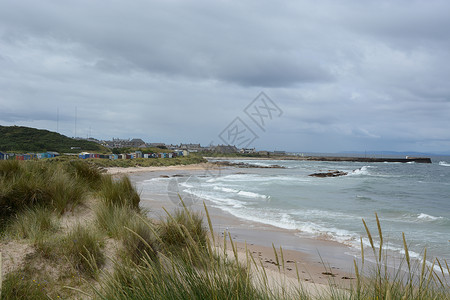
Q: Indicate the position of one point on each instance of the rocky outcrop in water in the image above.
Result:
(330, 173)
(246, 165)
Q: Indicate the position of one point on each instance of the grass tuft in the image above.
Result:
(17, 286)
(139, 242)
(181, 230)
(120, 192)
(83, 246)
(33, 224)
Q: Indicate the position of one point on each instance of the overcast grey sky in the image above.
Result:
(347, 75)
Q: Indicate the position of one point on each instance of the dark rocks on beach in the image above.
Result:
(330, 173)
(246, 165)
(164, 176)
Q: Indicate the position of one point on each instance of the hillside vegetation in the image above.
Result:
(26, 139)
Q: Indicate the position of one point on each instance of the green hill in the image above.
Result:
(26, 139)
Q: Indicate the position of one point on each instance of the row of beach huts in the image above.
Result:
(134, 155)
(27, 156)
(86, 155)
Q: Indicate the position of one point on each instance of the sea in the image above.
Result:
(409, 198)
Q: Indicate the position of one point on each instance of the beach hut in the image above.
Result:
(129, 156)
(84, 155)
(137, 154)
(170, 155)
(51, 154)
(3, 156)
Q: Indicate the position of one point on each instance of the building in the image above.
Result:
(4, 156)
(137, 143)
(247, 150)
(193, 147)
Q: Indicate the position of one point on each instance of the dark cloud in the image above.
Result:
(353, 73)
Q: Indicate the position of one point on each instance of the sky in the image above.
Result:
(306, 76)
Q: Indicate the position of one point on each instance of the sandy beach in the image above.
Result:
(130, 170)
(318, 261)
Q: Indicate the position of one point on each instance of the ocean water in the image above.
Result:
(410, 198)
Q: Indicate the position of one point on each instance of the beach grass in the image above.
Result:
(119, 192)
(83, 246)
(33, 224)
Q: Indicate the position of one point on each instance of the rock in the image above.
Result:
(246, 165)
(330, 173)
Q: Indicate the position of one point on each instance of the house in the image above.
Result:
(136, 143)
(193, 147)
(247, 150)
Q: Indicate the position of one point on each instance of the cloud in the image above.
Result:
(357, 74)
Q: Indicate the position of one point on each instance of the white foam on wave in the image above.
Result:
(241, 192)
(444, 163)
(361, 171)
(222, 202)
(426, 217)
(226, 190)
(256, 178)
(252, 195)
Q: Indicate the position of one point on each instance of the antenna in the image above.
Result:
(75, 122)
(57, 120)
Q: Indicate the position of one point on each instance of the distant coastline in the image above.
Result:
(333, 158)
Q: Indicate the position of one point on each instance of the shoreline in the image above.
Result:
(425, 160)
(319, 261)
(131, 170)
